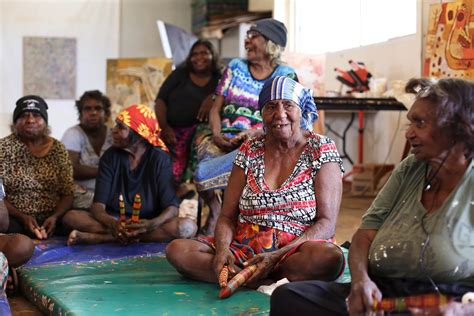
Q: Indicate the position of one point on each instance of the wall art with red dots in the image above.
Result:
(449, 49)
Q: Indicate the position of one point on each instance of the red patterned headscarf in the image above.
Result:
(141, 119)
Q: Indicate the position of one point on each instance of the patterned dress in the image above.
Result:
(34, 185)
(240, 91)
(270, 219)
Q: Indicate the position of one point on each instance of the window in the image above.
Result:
(332, 25)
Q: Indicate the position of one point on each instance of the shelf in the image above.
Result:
(358, 104)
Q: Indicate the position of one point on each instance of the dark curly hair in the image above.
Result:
(453, 101)
(216, 65)
(95, 95)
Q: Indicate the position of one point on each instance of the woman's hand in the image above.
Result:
(204, 109)
(168, 136)
(265, 262)
(118, 231)
(30, 223)
(222, 258)
(362, 296)
(223, 142)
(134, 230)
(244, 135)
(49, 225)
(250, 133)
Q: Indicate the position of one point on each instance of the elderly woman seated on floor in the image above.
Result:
(36, 171)
(135, 164)
(417, 236)
(281, 205)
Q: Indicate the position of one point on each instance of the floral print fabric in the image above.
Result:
(142, 120)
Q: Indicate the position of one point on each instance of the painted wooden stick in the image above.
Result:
(137, 205)
(123, 219)
(400, 304)
(239, 279)
(224, 276)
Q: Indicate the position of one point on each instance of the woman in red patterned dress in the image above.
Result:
(282, 201)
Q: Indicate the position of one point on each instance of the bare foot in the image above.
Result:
(72, 239)
(209, 227)
(76, 237)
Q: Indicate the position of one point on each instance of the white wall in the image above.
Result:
(103, 29)
(138, 32)
(94, 24)
(397, 59)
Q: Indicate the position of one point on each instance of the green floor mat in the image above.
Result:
(132, 286)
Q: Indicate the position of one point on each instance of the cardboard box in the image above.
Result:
(366, 178)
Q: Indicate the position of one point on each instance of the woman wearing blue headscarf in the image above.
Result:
(282, 201)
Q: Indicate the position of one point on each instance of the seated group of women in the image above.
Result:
(282, 198)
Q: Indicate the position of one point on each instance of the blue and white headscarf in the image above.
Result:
(284, 88)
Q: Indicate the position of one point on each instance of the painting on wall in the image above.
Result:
(310, 70)
(49, 67)
(135, 81)
(449, 48)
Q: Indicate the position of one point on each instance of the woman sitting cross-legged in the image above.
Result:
(36, 172)
(281, 204)
(135, 164)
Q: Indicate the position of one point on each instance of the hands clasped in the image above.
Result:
(130, 232)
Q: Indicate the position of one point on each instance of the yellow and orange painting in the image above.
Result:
(450, 40)
(135, 81)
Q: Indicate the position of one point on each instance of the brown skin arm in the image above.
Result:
(215, 124)
(225, 227)
(28, 221)
(363, 289)
(328, 192)
(81, 172)
(4, 220)
(167, 132)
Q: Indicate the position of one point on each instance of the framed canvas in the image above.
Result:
(449, 50)
(49, 67)
(135, 81)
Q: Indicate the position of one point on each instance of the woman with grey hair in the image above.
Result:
(235, 116)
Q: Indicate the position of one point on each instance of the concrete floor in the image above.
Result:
(352, 209)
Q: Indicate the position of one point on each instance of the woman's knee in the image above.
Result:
(19, 249)
(174, 251)
(70, 218)
(332, 260)
(319, 261)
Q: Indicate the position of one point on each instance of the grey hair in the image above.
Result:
(274, 51)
